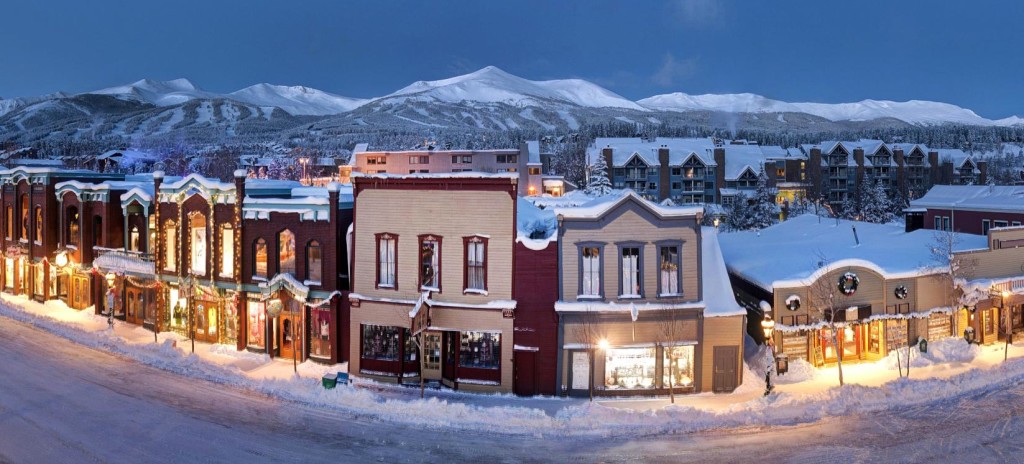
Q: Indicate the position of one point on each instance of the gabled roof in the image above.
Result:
(603, 205)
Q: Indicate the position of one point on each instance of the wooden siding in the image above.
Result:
(632, 227)
(411, 213)
(720, 331)
(620, 330)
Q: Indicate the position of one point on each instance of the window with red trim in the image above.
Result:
(387, 261)
(475, 266)
(430, 262)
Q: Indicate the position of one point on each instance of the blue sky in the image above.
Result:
(967, 54)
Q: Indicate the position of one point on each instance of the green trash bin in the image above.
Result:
(329, 380)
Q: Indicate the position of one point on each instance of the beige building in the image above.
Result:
(645, 302)
(434, 253)
(877, 284)
(993, 294)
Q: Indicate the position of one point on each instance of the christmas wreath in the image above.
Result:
(793, 303)
(901, 292)
(848, 283)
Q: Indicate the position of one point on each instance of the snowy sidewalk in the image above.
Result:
(950, 369)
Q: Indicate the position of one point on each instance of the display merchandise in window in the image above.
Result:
(677, 367)
(480, 350)
(429, 255)
(257, 326)
(381, 342)
(286, 253)
(630, 368)
(320, 332)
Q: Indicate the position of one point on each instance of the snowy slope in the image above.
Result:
(492, 85)
(296, 100)
(914, 111)
(159, 93)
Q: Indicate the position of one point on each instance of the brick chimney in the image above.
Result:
(901, 171)
(858, 158)
(814, 173)
(982, 172)
(606, 152)
(934, 169)
(664, 182)
(719, 154)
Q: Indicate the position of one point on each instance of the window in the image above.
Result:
(590, 271)
(985, 225)
(197, 244)
(286, 252)
(24, 217)
(419, 159)
(508, 159)
(171, 248)
(632, 282)
(314, 263)
(39, 224)
(260, 252)
(133, 238)
(10, 221)
(480, 350)
(387, 244)
(432, 343)
(677, 171)
(227, 251)
(376, 160)
(476, 263)
(668, 271)
(320, 332)
(999, 224)
(946, 224)
(430, 262)
(462, 159)
(534, 171)
(381, 342)
(678, 366)
(1015, 223)
(938, 222)
(257, 327)
(630, 368)
(508, 170)
(419, 171)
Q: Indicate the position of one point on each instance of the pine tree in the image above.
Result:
(599, 183)
(875, 204)
(756, 212)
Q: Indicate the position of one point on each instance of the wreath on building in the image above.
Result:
(848, 283)
(901, 292)
(793, 303)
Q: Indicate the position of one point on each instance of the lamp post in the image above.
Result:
(304, 161)
(190, 304)
(768, 326)
(1007, 319)
(110, 299)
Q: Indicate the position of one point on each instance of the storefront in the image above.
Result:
(452, 358)
(634, 369)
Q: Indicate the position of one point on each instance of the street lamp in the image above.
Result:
(768, 326)
(303, 161)
(1007, 319)
(110, 299)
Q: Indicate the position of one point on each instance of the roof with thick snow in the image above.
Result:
(602, 205)
(787, 253)
(623, 149)
(533, 150)
(1002, 198)
(535, 227)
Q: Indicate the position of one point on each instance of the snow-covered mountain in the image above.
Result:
(913, 112)
(492, 85)
(159, 93)
(296, 100)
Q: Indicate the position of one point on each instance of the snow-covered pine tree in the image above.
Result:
(756, 212)
(599, 183)
(875, 204)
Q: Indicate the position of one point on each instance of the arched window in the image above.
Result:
(260, 251)
(24, 216)
(39, 224)
(73, 233)
(198, 248)
(314, 262)
(286, 252)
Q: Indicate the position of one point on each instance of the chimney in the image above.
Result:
(947, 173)
(982, 172)
(607, 153)
(901, 171)
(664, 182)
(719, 154)
(814, 173)
(934, 169)
(858, 158)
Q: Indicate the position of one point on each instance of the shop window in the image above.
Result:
(227, 251)
(534, 171)
(387, 245)
(476, 263)
(286, 252)
(257, 326)
(171, 248)
(133, 238)
(632, 281)
(260, 263)
(197, 244)
(669, 279)
(39, 224)
(630, 368)
(409, 355)
(590, 271)
(432, 343)
(314, 263)
(381, 342)
(320, 328)
(430, 262)
(480, 350)
(677, 366)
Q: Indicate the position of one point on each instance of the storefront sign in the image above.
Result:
(274, 307)
(421, 321)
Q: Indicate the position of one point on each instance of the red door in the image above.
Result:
(450, 355)
(525, 378)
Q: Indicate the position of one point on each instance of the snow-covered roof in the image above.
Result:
(602, 205)
(739, 158)
(786, 254)
(441, 175)
(623, 149)
(719, 299)
(533, 149)
(98, 186)
(1007, 198)
(209, 184)
(530, 218)
(127, 156)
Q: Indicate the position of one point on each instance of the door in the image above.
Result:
(450, 355)
(725, 366)
(432, 355)
(206, 321)
(525, 378)
(290, 336)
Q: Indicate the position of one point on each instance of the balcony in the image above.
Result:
(118, 260)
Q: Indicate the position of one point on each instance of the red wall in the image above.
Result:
(970, 221)
(536, 323)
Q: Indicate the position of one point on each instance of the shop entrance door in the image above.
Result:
(449, 356)
(432, 355)
(725, 366)
(290, 335)
(206, 321)
(525, 380)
